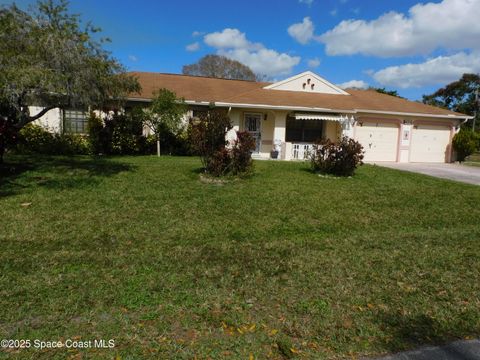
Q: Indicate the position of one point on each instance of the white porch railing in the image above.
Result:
(301, 151)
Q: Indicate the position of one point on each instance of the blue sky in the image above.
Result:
(411, 46)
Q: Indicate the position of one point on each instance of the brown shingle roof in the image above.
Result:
(204, 89)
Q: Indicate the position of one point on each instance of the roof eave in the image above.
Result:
(319, 109)
(445, 116)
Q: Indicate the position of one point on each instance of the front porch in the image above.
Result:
(292, 134)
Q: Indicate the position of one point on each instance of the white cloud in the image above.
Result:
(302, 32)
(264, 61)
(193, 46)
(307, 2)
(313, 63)
(334, 12)
(132, 58)
(450, 24)
(439, 70)
(197, 33)
(227, 38)
(358, 84)
(234, 44)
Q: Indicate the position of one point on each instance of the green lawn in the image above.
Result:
(284, 264)
(473, 160)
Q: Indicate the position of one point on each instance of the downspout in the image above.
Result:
(459, 125)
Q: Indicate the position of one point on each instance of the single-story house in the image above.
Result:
(291, 114)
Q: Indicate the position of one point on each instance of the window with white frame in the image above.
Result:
(75, 121)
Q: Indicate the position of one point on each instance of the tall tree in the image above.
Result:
(48, 59)
(220, 67)
(165, 112)
(386, 92)
(458, 96)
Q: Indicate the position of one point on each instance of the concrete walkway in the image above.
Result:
(457, 172)
(458, 350)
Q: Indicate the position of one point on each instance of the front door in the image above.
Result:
(253, 123)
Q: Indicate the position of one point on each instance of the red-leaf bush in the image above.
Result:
(207, 136)
(241, 153)
(340, 159)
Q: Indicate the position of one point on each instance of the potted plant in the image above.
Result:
(277, 146)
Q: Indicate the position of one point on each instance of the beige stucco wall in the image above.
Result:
(52, 120)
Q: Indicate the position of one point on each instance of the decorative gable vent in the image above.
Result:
(307, 82)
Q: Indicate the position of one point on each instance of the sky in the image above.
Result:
(414, 47)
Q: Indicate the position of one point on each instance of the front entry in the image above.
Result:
(253, 124)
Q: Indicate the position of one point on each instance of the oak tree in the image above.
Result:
(48, 58)
(217, 66)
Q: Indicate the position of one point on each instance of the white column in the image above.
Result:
(279, 131)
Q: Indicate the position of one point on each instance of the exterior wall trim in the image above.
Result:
(303, 108)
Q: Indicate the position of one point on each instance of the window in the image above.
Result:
(75, 121)
(303, 130)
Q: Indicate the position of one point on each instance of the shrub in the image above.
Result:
(219, 163)
(34, 139)
(241, 153)
(97, 134)
(207, 137)
(464, 143)
(340, 159)
(207, 132)
(122, 134)
(127, 133)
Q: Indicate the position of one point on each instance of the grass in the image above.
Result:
(280, 265)
(473, 160)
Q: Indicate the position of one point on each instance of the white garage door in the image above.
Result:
(429, 143)
(379, 140)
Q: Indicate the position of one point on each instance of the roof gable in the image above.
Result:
(307, 82)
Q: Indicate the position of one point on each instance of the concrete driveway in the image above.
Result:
(462, 173)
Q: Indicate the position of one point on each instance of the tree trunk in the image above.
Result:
(158, 146)
(2, 151)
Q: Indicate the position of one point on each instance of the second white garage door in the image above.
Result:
(379, 140)
(429, 143)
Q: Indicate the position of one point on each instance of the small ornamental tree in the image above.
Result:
(207, 132)
(48, 59)
(207, 135)
(165, 112)
(340, 159)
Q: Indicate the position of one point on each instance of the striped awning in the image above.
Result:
(327, 117)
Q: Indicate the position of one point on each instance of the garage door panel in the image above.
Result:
(379, 140)
(430, 143)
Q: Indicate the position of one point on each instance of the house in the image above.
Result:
(291, 114)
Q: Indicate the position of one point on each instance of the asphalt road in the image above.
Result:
(458, 350)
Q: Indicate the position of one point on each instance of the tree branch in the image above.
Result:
(40, 114)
